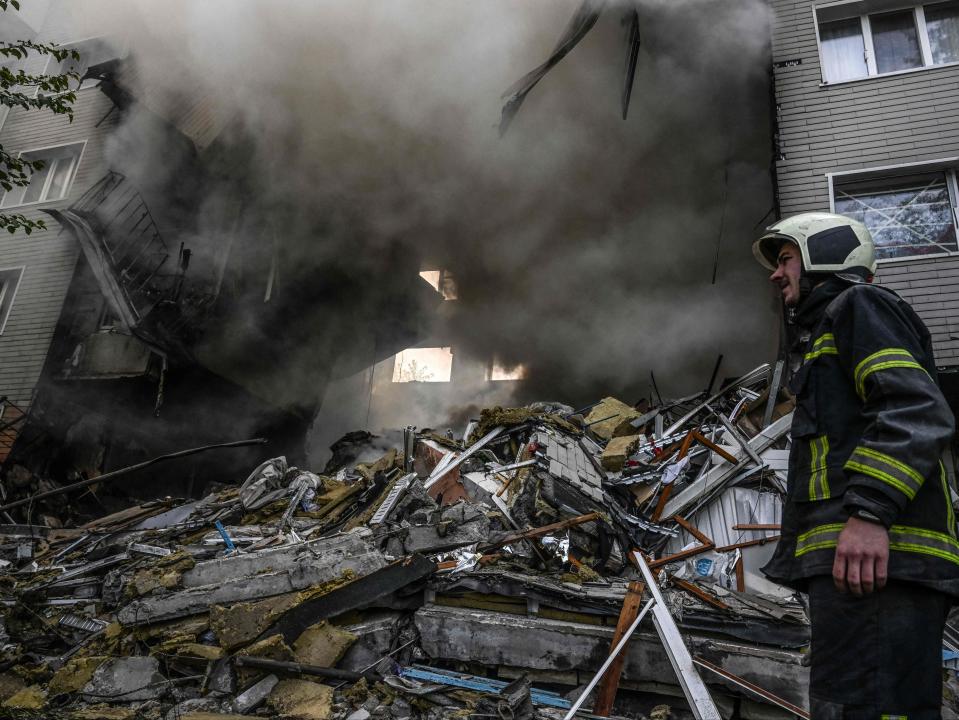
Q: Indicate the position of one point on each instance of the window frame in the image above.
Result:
(919, 20)
(4, 289)
(106, 39)
(67, 188)
(948, 166)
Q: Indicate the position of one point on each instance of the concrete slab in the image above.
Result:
(306, 571)
(125, 679)
(492, 638)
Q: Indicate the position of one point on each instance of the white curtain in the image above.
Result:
(843, 51)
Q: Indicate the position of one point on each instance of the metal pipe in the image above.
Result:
(609, 661)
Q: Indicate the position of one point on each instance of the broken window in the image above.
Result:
(908, 215)
(423, 365)
(942, 25)
(895, 42)
(51, 182)
(499, 372)
(442, 281)
(9, 282)
(92, 52)
(854, 44)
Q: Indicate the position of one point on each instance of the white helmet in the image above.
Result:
(829, 243)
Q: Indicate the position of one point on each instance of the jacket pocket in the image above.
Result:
(810, 453)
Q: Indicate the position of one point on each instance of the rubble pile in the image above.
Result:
(485, 576)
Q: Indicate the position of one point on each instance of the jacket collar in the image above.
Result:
(810, 311)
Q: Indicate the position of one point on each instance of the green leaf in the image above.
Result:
(15, 3)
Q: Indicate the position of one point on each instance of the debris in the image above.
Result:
(523, 552)
(302, 699)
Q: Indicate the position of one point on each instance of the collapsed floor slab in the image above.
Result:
(491, 638)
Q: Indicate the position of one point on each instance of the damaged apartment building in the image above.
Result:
(547, 560)
(151, 316)
(866, 93)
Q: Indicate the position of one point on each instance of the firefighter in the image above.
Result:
(868, 528)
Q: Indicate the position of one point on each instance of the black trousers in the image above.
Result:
(876, 656)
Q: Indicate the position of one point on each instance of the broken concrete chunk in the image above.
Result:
(242, 623)
(617, 452)
(73, 676)
(307, 570)
(322, 644)
(255, 695)
(302, 699)
(271, 648)
(608, 416)
(29, 698)
(200, 651)
(125, 679)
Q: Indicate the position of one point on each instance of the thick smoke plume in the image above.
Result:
(583, 245)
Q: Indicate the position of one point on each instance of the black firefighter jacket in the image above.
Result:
(868, 430)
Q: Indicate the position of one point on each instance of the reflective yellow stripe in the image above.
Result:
(818, 482)
(883, 360)
(950, 512)
(824, 345)
(821, 529)
(887, 469)
(902, 538)
(819, 538)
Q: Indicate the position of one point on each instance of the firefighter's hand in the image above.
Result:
(862, 557)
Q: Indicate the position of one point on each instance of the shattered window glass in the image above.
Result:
(907, 216)
(895, 41)
(942, 24)
(423, 365)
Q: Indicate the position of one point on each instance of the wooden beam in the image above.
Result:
(715, 448)
(747, 543)
(606, 692)
(698, 592)
(757, 526)
(544, 530)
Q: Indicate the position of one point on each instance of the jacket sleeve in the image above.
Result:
(909, 423)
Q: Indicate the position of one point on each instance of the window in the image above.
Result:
(92, 52)
(908, 215)
(499, 372)
(843, 52)
(9, 282)
(423, 365)
(855, 44)
(942, 26)
(442, 281)
(51, 182)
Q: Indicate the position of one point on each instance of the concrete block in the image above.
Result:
(212, 572)
(618, 451)
(302, 699)
(322, 644)
(374, 638)
(611, 413)
(125, 679)
(255, 695)
(307, 571)
(539, 644)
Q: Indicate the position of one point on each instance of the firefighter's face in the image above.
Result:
(788, 270)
